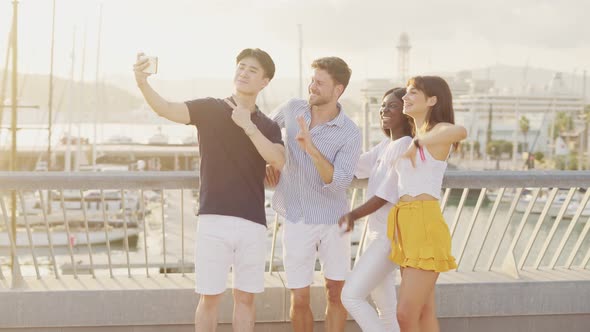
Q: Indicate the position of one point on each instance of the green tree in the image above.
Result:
(497, 147)
(524, 129)
(563, 123)
(465, 148)
(568, 162)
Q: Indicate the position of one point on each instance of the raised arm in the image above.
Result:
(438, 141)
(335, 176)
(323, 165)
(272, 153)
(173, 111)
(443, 133)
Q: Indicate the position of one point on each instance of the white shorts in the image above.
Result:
(302, 243)
(223, 242)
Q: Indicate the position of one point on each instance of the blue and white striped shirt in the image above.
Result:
(302, 195)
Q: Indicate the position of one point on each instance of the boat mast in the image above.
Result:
(96, 90)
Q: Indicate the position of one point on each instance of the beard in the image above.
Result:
(318, 100)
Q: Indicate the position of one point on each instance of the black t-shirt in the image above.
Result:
(232, 170)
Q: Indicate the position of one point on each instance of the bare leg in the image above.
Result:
(301, 316)
(428, 320)
(335, 311)
(206, 313)
(416, 288)
(244, 311)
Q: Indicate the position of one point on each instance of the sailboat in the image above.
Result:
(76, 237)
(81, 228)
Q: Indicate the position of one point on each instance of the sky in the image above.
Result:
(200, 39)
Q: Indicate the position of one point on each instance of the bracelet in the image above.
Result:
(416, 143)
(250, 130)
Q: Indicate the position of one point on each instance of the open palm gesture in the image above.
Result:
(303, 137)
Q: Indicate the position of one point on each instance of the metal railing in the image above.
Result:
(41, 235)
(516, 220)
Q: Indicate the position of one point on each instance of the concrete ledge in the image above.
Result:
(569, 323)
(492, 294)
(465, 300)
(98, 302)
(226, 327)
(536, 323)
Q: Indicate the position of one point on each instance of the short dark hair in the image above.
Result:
(336, 67)
(261, 56)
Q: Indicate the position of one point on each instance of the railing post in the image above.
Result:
(17, 278)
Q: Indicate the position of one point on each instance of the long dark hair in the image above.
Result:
(442, 111)
(408, 125)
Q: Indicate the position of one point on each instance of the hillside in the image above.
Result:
(34, 90)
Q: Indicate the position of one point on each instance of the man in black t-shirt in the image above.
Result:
(236, 141)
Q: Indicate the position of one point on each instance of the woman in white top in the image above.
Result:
(374, 272)
(421, 241)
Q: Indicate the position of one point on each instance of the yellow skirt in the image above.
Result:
(420, 237)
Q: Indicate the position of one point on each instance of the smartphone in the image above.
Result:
(153, 64)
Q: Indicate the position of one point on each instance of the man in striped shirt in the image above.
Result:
(323, 146)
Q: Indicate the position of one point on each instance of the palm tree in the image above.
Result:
(524, 129)
(563, 123)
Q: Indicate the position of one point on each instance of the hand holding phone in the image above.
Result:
(152, 64)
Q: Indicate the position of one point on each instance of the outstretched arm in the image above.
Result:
(373, 204)
(443, 133)
(177, 112)
(438, 141)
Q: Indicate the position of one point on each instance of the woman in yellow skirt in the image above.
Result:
(421, 242)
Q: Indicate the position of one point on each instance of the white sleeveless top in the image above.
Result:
(425, 178)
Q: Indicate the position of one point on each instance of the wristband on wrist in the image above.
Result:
(250, 130)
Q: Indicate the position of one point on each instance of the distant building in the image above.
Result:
(472, 110)
(372, 95)
(463, 83)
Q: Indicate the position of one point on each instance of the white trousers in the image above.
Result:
(374, 274)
